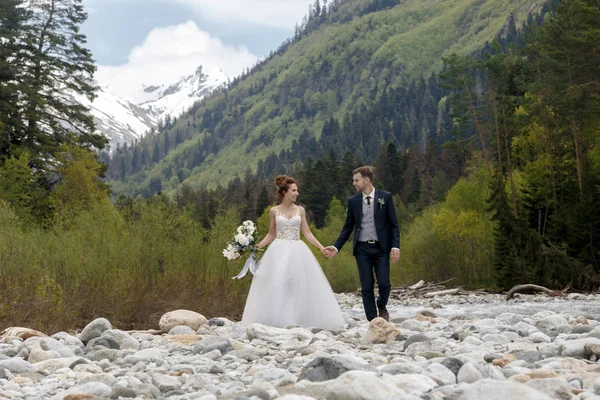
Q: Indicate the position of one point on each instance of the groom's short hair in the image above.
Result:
(365, 172)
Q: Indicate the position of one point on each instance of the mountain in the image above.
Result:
(117, 118)
(174, 99)
(123, 121)
(357, 74)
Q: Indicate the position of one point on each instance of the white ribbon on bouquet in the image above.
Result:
(250, 265)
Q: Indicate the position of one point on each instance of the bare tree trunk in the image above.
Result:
(496, 124)
(479, 128)
(509, 165)
(576, 138)
(547, 140)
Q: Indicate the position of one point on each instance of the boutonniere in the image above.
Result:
(381, 202)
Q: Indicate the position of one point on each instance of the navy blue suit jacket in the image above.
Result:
(386, 223)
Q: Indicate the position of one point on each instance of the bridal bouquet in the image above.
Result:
(243, 241)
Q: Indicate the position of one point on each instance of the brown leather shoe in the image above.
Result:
(383, 313)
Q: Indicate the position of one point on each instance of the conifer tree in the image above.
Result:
(57, 67)
(13, 17)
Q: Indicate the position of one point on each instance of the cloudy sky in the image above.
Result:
(151, 42)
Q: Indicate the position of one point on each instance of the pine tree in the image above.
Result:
(506, 259)
(13, 17)
(57, 67)
(264, 200)
(415, 188)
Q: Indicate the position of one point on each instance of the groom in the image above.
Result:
(372, 216)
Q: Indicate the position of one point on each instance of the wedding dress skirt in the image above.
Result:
(289, 287)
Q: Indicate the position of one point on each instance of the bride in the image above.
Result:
(289, 287)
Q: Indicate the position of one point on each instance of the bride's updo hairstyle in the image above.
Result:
(283, 183)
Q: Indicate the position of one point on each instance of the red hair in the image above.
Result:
(283, 183)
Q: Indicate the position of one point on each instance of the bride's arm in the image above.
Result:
(307, 233)
(272, 230)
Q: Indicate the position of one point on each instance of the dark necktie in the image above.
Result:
(368, 200)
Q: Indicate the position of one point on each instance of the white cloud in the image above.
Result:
(169, 53)
(275, 13)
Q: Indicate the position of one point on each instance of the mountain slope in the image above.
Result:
(123, 121)
(342, 63)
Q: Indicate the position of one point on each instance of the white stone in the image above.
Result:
(181, 317)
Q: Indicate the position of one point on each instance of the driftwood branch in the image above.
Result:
(417, 285)
(534, 288)
(423, 289)
(442, 292)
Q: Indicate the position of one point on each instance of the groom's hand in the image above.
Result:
(329, 251)
(395, 255)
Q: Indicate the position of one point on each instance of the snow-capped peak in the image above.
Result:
(124, 121)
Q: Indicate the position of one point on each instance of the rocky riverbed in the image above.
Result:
(475, 346)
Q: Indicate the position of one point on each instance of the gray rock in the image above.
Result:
(529, 356)
(66, 339)
(216, 322)
(440, 374)
(419, 337)
(147, 390)
(124, 339)
(553, 387)
(245, 354)
(94, 329)
(577, 347)
(597, 386)
(539, 337)
(5, 374)
(102, 354)
(411, 325)
(579, 329)
(166, 383)
(490, 389)
(453, 364)
(16, 365)
(213, 343)
(326, 368)
(103, 342)
(401, 368)
(91, 389)
(181, 330)
(411, 383)
(36, 355)
(108, 379)
(354, 385)
(123, 392)
(468, 373)
(491, 357)
(275, 376)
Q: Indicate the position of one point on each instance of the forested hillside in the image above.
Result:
(356, 75)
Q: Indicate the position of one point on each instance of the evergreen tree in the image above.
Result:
(56, 68)
(507, 270)
(13, 16)
(264, 200)
(415, 188)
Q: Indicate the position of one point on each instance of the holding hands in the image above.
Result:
(329, 251)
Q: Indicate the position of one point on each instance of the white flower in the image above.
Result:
(240, 229)
(248, 224)
(228, 254)
(242, 239)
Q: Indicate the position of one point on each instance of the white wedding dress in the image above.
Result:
(289, 287)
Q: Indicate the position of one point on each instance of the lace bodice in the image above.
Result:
(288, 228)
